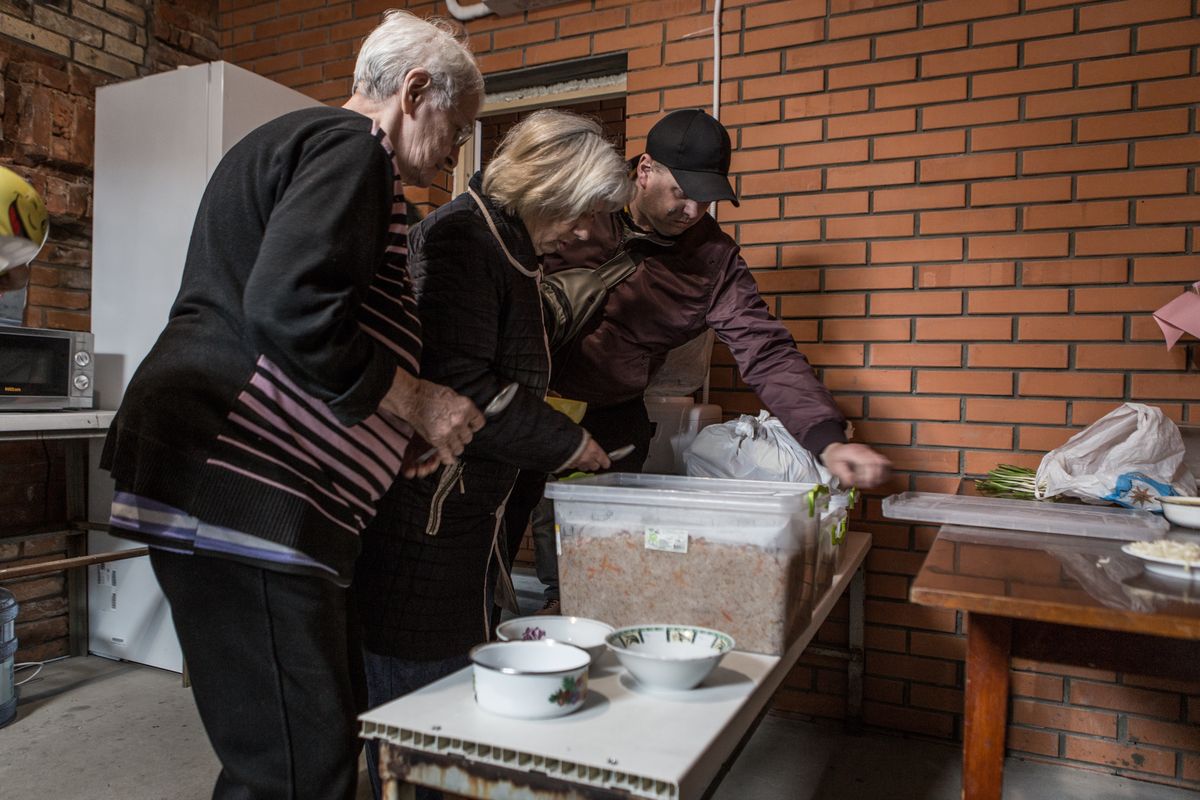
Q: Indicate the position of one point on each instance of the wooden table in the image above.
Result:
(623, 743)
(1064, 599)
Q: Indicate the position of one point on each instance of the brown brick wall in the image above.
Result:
(53, 56)
(33, 493)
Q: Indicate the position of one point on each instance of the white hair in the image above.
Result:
(556, 166)
(403, 42)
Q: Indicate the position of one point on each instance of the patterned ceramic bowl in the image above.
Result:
(669, 656)
(530, 680)
(579, 631)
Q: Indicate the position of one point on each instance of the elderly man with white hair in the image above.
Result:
(279, 403)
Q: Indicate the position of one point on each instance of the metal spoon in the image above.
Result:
(491, 410)
(620, 453)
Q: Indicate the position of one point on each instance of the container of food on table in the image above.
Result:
(742, 557)
(1183, 511)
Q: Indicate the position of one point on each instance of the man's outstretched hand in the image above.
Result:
(856, 464)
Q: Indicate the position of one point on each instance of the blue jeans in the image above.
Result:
(388, 678)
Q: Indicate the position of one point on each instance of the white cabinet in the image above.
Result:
(158, 139)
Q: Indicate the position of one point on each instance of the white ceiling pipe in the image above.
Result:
(464, 13)
(716, 112)
(716, 28)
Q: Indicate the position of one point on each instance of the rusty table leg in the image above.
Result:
(397, 790)
(854, 672)
(402, 769)
(989, 642)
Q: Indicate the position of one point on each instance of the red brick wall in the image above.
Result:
(51, 63)
(953, 205)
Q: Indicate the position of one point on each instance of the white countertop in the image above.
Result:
(54, 424)
(662, 746)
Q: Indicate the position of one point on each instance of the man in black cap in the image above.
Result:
(700, 281)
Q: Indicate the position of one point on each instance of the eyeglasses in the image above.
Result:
(464, 135)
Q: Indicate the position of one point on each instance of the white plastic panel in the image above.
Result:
(1101, 522)
(158, 139)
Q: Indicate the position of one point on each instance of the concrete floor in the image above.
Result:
(106, 730)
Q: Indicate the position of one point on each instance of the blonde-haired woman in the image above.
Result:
(432, 557)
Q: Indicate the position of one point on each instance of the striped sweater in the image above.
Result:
(255, 409)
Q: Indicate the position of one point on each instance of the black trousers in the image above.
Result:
(276, 675)
(611, 427)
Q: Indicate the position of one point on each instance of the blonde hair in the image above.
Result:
(403, 42)
(554, 166)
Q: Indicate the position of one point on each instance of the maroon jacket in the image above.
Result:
(673, 296)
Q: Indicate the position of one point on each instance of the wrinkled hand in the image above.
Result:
(442, 417)
(856, 464)
(412, 466)
(445, 419)
(590, 459)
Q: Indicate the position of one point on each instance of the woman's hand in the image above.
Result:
(445, 419)
(590, 459)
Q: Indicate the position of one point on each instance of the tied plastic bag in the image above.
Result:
(1131, 456)
(753, 448)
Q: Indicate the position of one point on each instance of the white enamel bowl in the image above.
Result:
(530, 680)
(1183, 511)
(579, 631)
(669, 656)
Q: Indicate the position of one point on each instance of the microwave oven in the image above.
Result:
(45, 370)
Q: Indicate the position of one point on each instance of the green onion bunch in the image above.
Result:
(1006, 480)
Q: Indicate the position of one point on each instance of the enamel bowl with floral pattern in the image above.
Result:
(579, 631)
(530, 680)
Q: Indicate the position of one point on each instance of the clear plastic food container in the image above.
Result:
(741, 557)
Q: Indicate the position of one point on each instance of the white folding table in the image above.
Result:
(625, 742)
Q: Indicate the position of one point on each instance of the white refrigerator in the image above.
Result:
(158, 139)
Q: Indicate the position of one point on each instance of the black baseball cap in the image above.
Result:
(695, 148)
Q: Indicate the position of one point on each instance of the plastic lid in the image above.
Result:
(719, 494)
(1098, 522)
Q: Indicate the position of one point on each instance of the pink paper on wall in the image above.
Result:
(1180, 316)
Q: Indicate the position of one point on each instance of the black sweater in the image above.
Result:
(255, 408)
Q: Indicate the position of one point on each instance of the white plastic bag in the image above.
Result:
(1131, 456)
(684, 370)
(752, 448)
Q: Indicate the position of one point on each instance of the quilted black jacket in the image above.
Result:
(431, 553)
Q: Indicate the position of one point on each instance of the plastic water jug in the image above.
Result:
(8, 653)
